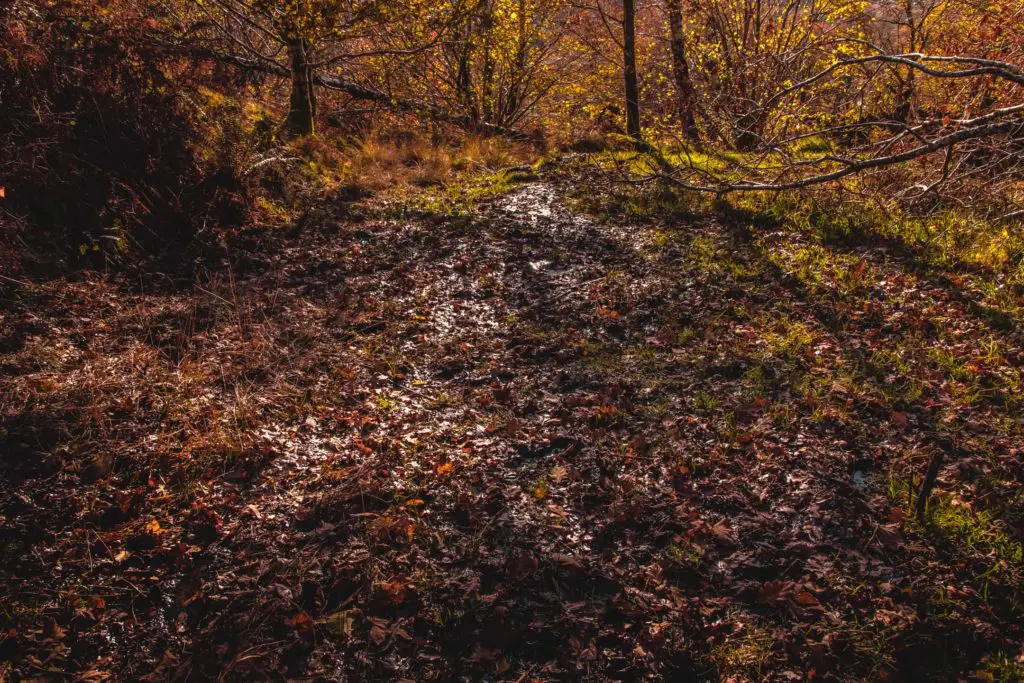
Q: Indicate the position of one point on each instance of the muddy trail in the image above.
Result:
(525, 445)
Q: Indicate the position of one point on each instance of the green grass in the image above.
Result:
(705, 401)
(463, 194)
(755, 382)
(746, 652)
(949, 238)
(785, 338)
(384, 403)
(975, 535)
(976, 532)
(1001, 668)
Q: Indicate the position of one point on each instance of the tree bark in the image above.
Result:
(907, 87)
(681, 71)
(629, 68)
(302, 104)
(464, 77)
(748, 129)
(487, 96)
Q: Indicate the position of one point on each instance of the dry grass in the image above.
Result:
(287, 179)
(381, 161)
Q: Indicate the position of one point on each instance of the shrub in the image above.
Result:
(102, 167)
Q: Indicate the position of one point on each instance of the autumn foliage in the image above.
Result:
(511, 340)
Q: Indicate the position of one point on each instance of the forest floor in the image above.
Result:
(517, 444)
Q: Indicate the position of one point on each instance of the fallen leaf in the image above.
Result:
(773, 592)
(806, 599)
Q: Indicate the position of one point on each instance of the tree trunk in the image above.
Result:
(302, 105)
(464, 82)
(487, 95)
(681, 71)
(905, 97)
(360, 92)
(629, 59)
(748, 130)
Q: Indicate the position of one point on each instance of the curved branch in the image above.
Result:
(984, 67)
(852, 167)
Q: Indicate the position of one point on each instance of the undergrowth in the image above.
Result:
(968, 532)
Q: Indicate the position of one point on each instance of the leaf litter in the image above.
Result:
(527, 445)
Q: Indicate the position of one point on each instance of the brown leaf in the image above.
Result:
(806, 599)
(484, 654)
(773, 592)
(393, 592)
(52, 629)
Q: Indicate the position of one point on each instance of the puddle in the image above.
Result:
(864, 479)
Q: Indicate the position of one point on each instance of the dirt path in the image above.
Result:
(526, 446)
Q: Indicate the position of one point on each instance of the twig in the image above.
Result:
(17, 282)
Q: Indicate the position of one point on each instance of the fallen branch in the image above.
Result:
(271, 160)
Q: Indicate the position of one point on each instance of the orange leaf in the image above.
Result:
(394, 591)
(301, 621)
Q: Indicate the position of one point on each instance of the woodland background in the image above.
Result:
(511, 340)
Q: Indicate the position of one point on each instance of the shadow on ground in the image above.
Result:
(526, 446)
